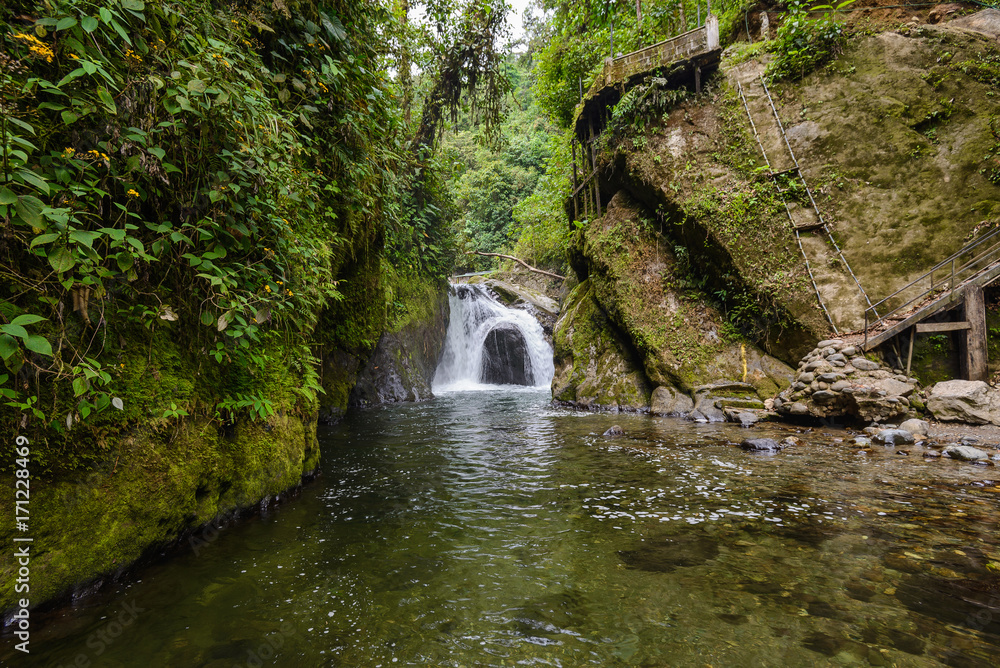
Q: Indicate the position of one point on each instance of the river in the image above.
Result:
(485, 528)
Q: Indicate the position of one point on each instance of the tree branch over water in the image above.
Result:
(519, 261)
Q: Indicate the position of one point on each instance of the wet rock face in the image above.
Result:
(505, 358)
(835, 381)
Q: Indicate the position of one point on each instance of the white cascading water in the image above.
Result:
(480, 330)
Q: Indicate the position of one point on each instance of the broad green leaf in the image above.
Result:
(27, 319)
(79, 386)
(44, 239)
(89, 23)
(157, 151)
(38, 344)
(29, 209)
(14, 330)
(34, 179)
(8, 347)
(109, 102)
(27, 127)
(84, 237)
(88, 66)
(196, 86)
(70, 117)
(66, 23)
(125, 260)
(105, 14)
(206, 318)
(78, 72)
(7, 196)
(134, 5)
(61, 259)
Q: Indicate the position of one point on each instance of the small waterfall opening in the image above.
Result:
(489, 344)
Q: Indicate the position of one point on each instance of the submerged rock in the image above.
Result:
(893, 437)
(965, 453)
(760, 445)
(615, 430)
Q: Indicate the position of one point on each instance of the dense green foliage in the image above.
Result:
(805, 39)
(220, 175)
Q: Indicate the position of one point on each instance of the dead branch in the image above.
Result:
(519, 261)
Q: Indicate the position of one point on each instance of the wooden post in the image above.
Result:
(973, 348)
(697, 80)
(909, 355)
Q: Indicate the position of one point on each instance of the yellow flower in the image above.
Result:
(280, 283)
(36, 46)
(122, 365)
(267, 287)
(74, 56)
(132, 193)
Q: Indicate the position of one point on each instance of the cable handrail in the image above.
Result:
(950, 259)
(957, 276)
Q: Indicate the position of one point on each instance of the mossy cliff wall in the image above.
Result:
(695, 259)
(127, 482)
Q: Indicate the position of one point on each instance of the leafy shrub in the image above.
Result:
(805, 39)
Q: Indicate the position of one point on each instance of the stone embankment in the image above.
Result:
(836, 381)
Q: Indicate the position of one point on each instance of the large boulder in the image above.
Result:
(593, 365)
(962, 401)
(505, 359)
(670, 401)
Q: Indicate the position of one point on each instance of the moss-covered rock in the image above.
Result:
(681, 339)
(594, 367)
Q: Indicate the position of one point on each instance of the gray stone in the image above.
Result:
(778, 401)
(968, 440)
(916, 427)
(861, 364)
(790, 440)
(798, 386)
(615, 430)
(834, 343)
(696, 416)
(669, 401)
(871, 431)
(848, 351)
(798, 408)
(960, 401)
(836, 357)
(817, 364)
(824, 396)
(760, 445)
(862, 441)
(966, 453)
(806, 377)
(840, 385)
(831, 377)
(985, 22)
(743, 418)
(893, 387)
(838, 363)
(893, 437)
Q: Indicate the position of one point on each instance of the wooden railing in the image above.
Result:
(691, 43)
(970, 262)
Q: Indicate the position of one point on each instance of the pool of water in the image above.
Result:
(488, 529)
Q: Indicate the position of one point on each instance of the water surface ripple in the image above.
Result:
(487, 529)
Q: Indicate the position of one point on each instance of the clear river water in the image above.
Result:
(485, 528)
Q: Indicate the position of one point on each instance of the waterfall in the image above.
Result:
(488, 344)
